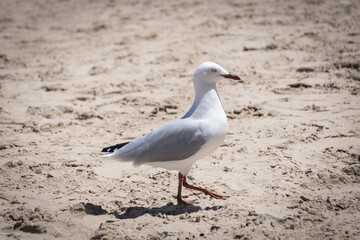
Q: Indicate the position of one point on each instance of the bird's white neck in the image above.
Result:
(207, 102)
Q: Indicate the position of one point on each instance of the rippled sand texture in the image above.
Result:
(76, 76)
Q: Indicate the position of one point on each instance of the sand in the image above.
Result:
(76, 76)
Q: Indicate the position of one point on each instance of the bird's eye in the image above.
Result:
(213, 70)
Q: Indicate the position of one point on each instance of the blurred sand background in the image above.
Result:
(76, 76)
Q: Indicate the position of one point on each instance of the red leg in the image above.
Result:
(179, 199)
(207, 192)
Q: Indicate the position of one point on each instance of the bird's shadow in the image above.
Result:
(135, 212)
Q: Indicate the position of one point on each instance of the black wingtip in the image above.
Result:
(113, 148)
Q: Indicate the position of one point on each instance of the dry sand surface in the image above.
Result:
(76, 76)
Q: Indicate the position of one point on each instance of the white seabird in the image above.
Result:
(178, 144)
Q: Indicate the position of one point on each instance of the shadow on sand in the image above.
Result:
(135, 212)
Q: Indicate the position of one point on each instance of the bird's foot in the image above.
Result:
(215, 195)
(183, 202)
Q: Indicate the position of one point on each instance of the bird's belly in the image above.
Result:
(183, 166)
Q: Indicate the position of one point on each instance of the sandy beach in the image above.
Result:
(77, 76)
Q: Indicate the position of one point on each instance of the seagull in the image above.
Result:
(178, 144)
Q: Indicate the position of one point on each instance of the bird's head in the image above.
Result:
(209, 72)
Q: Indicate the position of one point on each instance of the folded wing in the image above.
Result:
(178, 140)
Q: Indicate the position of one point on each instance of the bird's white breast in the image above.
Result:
(214, 122)
(215, 131)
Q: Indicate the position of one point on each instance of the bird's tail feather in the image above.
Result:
(112, 152)
(113, 148)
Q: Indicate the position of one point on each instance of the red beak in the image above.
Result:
(231, 76)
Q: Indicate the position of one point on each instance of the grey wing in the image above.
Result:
(175, 141)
